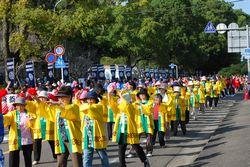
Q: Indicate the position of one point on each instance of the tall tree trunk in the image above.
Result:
(6, 47)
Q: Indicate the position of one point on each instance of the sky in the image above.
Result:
(241, 4)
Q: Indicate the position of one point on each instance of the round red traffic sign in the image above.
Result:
(51, 58)
(59, 50)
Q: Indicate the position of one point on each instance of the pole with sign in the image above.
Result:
(172, 66)
(59, 51)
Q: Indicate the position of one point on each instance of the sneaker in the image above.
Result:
(149, 155)
(35, 163)
(146, 163)
(130, 155)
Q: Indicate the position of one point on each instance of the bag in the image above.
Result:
(187, 116)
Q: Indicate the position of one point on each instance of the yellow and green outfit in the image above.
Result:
(42, 130)
(68, 136)
(125, 131)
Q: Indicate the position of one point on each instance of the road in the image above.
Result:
(180, 150)
(229, 146)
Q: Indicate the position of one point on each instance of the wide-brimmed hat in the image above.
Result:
(83, 95)
(19, 101)
(177, 89)
(64, 91)
(43, 94)
(163, 86)
(92, 95)
(143, 91)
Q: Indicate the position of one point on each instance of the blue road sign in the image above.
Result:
(172, 65)
(247, 51)
(210, 28)
(60, 63)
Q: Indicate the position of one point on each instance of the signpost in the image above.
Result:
(57, 58)
(238, 41)
(172, 66)
(210, 28)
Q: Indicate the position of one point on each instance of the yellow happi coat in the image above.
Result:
(144, 120)
(53, 113)
(132, 133)
(162, 118)
(10, 119)
(182, 104)
(37, 123)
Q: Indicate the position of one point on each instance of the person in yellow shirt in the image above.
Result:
(43, 130)
(160, 109)
(145, 123)
(20, 133)
(125, 129)
(68, 136)
(179, 114)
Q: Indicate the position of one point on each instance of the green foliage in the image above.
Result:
(156, 32)
(234, 69)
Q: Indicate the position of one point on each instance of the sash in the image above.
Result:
(43, 127)
(19, 135)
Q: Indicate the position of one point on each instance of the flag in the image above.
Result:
(128, 73)
(50, 72)
(112, 70)
(30, 74)
(94, 71)
(152, 73)
(101, 74)
(11, 71)
(147, 73)
(156, 73)
(121, 72)
(66, 71)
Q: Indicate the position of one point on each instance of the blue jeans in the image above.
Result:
(88, 157)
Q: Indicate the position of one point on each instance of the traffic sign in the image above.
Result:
(247, 51)
(60, 63)
(210, 28)
(59, 50)
(172, 65)
(221, 28)
(51, 58)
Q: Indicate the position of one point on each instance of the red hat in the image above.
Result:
(32, 91)
(52, 97)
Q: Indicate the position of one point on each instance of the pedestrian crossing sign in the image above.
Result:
(210, 28)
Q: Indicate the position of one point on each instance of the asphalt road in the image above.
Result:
(180, 150)
(230, 145)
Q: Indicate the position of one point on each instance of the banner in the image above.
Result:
(156, 73)
(147, 73)
(152, 73)
(11, 71)
(94, 71)
(163, 73)
(51, 73)
(101, 74)
(30, 74)
(66, 71)
(112, 70)
(121, 72)
(129, 73)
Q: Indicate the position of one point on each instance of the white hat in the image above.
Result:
(177, 89)
(203, 78)
(190, 83)
(43, 94)
(163, 86)
(158, 83)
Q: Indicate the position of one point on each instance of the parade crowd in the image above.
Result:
(77, 119)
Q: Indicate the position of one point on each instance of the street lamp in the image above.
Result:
(57, 4)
